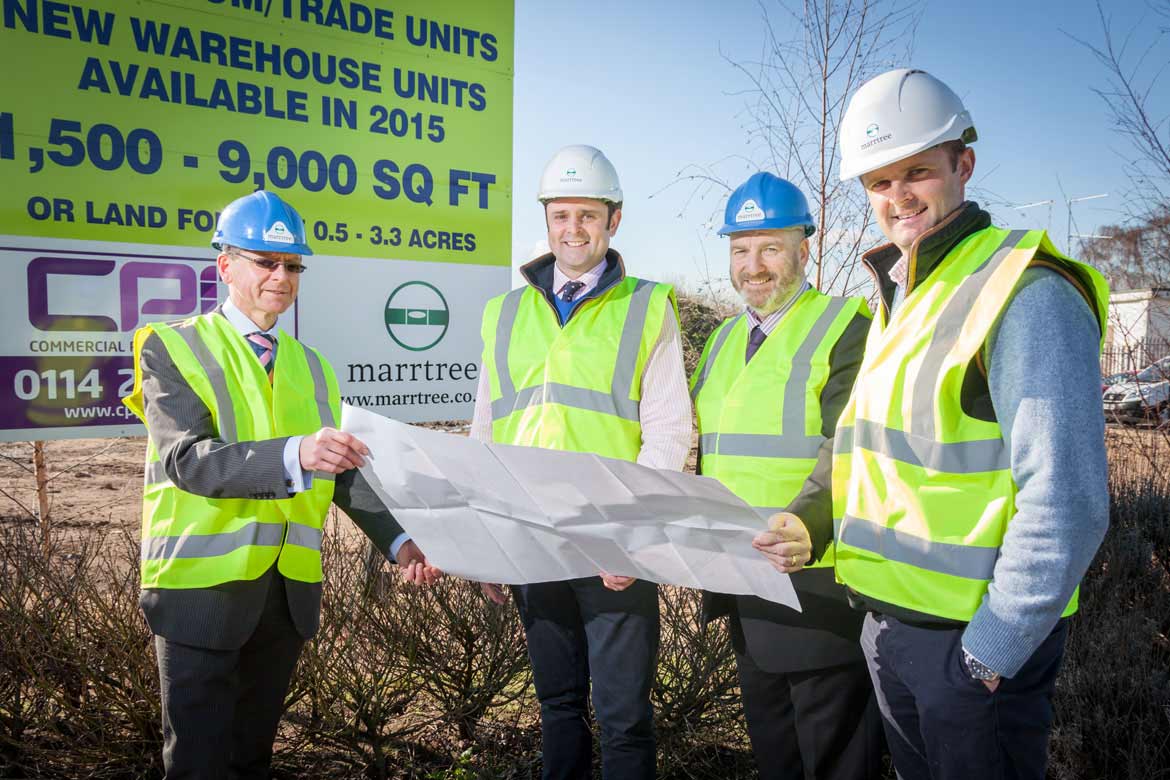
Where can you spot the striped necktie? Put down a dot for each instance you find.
(755, 339)
(265, 348)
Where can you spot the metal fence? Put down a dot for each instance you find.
(1133, 356)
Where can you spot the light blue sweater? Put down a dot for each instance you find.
(1044, 380)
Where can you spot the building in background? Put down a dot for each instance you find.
(1139, 329)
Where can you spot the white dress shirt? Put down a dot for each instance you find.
(590, 279)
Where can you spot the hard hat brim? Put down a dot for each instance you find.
(768, 224)
(256, 245)
(611, 197)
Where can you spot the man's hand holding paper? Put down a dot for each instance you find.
(786, 543)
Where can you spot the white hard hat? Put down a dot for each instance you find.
(579, 171)
(898, 114)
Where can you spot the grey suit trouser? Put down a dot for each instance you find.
(221, 708)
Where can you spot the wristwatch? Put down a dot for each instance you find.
(977, 669)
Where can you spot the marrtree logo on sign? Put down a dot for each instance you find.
(184, 291)
(417, 316)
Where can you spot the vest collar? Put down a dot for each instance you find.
(538, 273)
(926, 253)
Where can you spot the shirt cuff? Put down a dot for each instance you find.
(396, 545)
(296, 479)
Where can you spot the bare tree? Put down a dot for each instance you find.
(1137, 254)
(813, 57)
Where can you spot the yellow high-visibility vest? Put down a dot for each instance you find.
(922, 492)
(760, 424)
(574, 388)
(191, 541)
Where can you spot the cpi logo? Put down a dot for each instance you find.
(197, 292)
(417, 316)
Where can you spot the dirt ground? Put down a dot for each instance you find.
(96, 484)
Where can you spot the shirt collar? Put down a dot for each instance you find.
(768, 322)
(241, 321)
(590, 279)
(928, 251)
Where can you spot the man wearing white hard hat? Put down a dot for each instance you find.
(969, 478)
(587, 359)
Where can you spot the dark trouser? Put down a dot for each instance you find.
(577, 630)
(220, 708)
(941, 724)
(819, 723)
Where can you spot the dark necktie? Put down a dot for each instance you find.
(265, 348)
(755, 339)
(569, 290)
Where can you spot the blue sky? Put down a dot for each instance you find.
(648, 82)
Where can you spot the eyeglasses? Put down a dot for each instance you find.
(271, 265)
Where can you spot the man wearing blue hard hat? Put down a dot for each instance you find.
(767, 391)
(242, 463)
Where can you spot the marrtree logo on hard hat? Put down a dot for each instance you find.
(279, 233)
(749, 212)
(871, 131)
(417, 316)
(878, 139)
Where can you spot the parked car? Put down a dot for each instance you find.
(1144, 398)
(1116, 379)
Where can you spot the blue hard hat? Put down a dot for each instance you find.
(261, 222)
(766, 202)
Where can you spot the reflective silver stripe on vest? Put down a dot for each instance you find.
(507, 322)
(957, 560)
(946, 331)
(211, 545)
(617, 402)
(324, 476)
(960, 457)
(225, 412)
(797, 384)
(156, 474)
(627, 356)
(304, 536)
(760, 445)
(567, 395)
(320, 387)
(714, 353)
(794, 442)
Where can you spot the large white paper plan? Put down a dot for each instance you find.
(505, 514)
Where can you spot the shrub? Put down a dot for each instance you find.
(79, 696)
(1113, 695)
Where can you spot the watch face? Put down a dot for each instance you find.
(977, 670)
